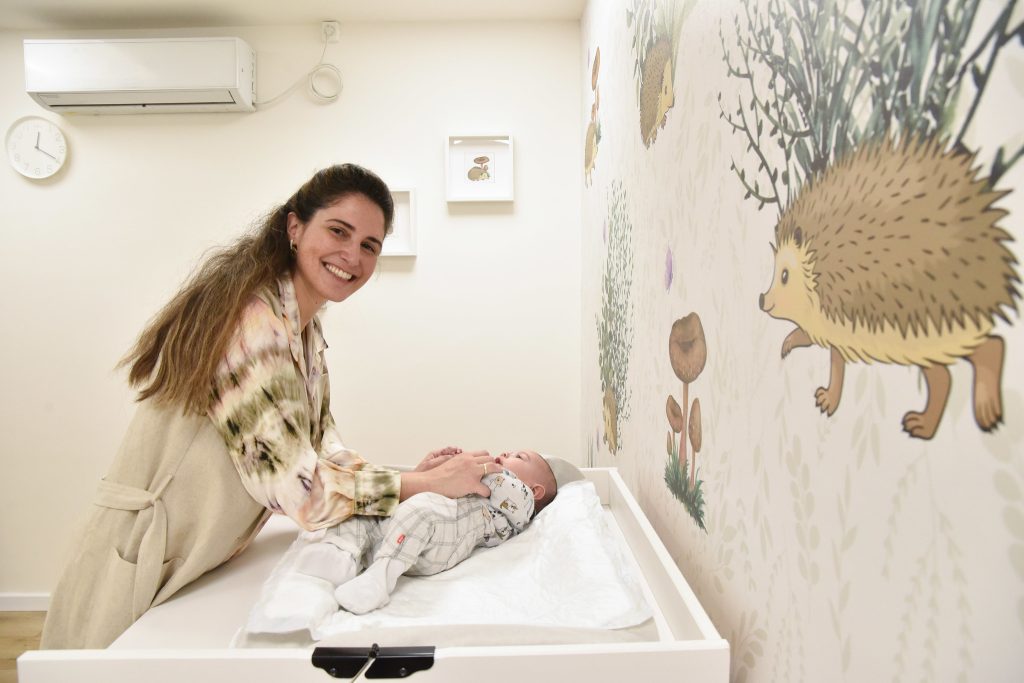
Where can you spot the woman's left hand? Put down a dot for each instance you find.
(435, 458)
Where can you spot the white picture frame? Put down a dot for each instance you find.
(479, 168)
(402, 240)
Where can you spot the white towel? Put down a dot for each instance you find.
(567, 569)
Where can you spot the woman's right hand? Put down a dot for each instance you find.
(458, 475)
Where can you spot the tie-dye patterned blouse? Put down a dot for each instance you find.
(271, 403)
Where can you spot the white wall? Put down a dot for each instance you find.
(475, 342)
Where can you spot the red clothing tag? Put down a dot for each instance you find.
(401, 539)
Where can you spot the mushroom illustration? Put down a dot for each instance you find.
(675, 414)
(479, 172)
(695, 437)
(688, 351)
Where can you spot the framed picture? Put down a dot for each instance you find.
(479, 168)
(402, 240)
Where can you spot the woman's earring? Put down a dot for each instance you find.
(294, 247)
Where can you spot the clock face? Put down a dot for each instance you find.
(36, 147)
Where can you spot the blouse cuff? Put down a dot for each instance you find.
(376, 491)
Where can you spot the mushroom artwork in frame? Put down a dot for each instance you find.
(479, 168)
(402, 240)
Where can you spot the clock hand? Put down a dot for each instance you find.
(40, 149)
(46, 153)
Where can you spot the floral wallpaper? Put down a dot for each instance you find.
(802, 238)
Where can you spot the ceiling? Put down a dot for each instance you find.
(126, 14)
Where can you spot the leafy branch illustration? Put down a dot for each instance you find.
(995, 39)
(894, 69)
(748, 645)
(926, 589)
(811, 92)
(1008, 487)
(840, 545)
(614, 323)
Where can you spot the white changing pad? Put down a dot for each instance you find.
(566, 570)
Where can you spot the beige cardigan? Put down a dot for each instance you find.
(154, 528)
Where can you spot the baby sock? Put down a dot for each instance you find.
(327, 561)
(372, 588)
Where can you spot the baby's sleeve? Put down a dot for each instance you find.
(512, 498)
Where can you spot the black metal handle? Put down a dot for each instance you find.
(384, 662)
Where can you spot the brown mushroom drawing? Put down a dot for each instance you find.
(479, 172)
(675, 414)
(688, 352)
(695, 435)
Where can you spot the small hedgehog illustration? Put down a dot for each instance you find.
(610, 410)
(656, 90)
(479, 171)
(593, 136)
(893, 255)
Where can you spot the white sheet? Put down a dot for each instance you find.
(567, 570)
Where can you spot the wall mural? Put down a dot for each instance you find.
(593, 135)
(887, 248)
(614, 323)
(688, 353)
(655, 45)
(823, 548)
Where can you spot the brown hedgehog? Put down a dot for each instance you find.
(893, 255)
(594, 128)
(656, 93)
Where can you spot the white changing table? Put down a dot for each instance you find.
(188, 637)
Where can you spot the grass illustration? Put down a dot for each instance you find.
(678, 482)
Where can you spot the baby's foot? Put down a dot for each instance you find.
(372, 588)
(364, 593)
(326, 561)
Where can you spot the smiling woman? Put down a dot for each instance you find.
(234, 418)
(336, 251)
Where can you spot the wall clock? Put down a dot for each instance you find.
(36, 147)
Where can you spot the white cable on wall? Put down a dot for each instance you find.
(323, 96)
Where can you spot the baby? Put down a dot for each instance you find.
(429, 533)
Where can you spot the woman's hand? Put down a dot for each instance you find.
(458, 475)
(435, 458)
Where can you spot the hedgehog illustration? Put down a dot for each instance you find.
(656, 90)
(610, 411)
(893, 255)
(479, 171)
(594, 128)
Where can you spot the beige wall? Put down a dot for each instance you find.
(836, 548)
(474, 342)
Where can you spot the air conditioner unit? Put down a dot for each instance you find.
(131, 76)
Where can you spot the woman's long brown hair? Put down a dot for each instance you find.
(175, 358)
